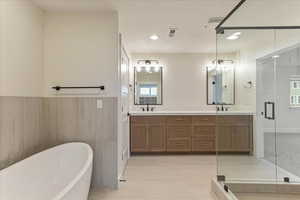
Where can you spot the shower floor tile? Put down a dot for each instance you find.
(266, 196)
(249, 168)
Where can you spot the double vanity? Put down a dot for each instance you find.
(191, 132)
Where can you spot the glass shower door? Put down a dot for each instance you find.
(288, 105)
(243, 154)
(266, 136)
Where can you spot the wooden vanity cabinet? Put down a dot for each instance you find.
(203, 137)
(148, 134)
(202, 134)
(234, 133)
(179, 132)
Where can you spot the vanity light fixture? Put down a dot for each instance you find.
(148, 69)
(156, 69)
(149, 66)
(275, 56)
(154, 37)
(234, 36)
(138, 69)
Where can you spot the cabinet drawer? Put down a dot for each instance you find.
(179, 120)
(204, 120)
(204, 132)
(179, 145)
(233, 120)
(179, 132)
(148, 120)
(204, 146)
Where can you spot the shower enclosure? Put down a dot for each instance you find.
(266, 46)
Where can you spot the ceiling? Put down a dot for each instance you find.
(139, 19)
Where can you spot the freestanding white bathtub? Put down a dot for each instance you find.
(60, 173)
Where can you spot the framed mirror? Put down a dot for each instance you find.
(148, 85)
(221, 83)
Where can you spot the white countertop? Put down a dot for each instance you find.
(150, 113)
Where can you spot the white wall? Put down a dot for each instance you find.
(21, 53)
(81, 49)
(184, 81)
(43, 49)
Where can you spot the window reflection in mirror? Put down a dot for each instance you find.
(295, 91)
(148, 85)
(220, 84)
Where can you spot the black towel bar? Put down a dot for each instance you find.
(58, 88)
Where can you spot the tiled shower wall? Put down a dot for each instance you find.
(30, 125)
(287, 151)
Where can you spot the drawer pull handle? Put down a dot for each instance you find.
(179, 119)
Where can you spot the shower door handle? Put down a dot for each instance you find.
(272, 117)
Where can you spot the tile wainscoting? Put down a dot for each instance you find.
(21, 129)
(31, 124)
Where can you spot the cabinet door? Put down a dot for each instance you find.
(224, 138)
(157, 138)
(241, 138)
(139, 138)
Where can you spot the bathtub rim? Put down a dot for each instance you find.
(76, 179)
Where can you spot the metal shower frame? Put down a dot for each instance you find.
(220, 29)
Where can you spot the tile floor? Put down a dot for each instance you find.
(163, 178)
(184, 177)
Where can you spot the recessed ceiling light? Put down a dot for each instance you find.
(234, 36)
(154, 37)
